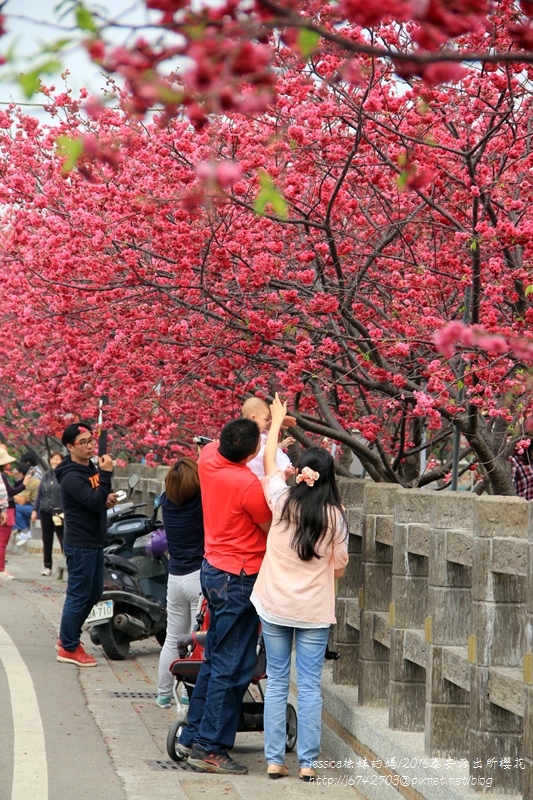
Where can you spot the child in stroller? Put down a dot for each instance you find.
(185, 671)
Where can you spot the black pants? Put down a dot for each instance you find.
(48, 528)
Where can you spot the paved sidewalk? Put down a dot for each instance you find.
(120, 697)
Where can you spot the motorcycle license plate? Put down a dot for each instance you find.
(100, 612)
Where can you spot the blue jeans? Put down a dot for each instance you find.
(230, 655)
(23, 516)
(85, 585)
(310, 649)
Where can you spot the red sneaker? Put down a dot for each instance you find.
(78, 657)
(58, 645)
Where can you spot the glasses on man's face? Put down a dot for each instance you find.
(85, 442)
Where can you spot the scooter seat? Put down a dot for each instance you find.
(122, 564)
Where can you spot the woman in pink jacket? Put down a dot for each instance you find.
(295, 594)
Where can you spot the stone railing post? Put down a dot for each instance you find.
(375, 594)
(448, 620)
(498, 637)
(527, 744)
(346, 636)
(408, 606)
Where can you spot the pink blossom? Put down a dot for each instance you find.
(437, 73)
(447, 337)
(228, 173)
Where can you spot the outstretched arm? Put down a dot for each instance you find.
(278, 411)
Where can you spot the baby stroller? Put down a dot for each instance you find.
(185, 670)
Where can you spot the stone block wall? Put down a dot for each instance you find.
(152, 482)
(435, 619)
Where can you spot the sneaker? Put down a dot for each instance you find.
(214, 762)
(24, 536)
(182, 750)
(58, 645)
(6, 576)
(78, 657)
(162, 701)
(46, 572)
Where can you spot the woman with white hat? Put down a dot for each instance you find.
(7, 519)
(3, 503)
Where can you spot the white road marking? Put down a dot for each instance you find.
(30, 770)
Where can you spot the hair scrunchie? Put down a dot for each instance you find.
(308, 476)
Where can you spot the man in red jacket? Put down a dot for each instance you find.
(236, 521)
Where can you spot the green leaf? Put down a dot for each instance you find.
(307, 42)
(31, 81)
(71, 150)
(194, 32)
(167, 95)
(84, 19)
(64, 8)
(460, 384)
(12, 51)
(529, 289)
(401, 180)
(57, 46)
(473, 245)
(268, 195)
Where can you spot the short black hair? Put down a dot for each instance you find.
(29, 458)
(22, 466)
(239, 439)
(71, 431)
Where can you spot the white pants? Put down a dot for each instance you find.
(183, 597)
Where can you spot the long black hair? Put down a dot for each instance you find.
(311, 510)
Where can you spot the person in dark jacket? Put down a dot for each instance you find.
(181, 505)
(48, 508)
(85, 495)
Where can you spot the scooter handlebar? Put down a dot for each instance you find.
(124, 508)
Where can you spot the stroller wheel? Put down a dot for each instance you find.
(172, 738)
(292, 728)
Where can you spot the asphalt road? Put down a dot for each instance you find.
(92, 733)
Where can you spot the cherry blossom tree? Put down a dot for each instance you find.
(385, 214)
(315, 245)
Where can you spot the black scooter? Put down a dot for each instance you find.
(133, 604)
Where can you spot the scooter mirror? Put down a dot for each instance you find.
(133, 480)
(157, 501)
